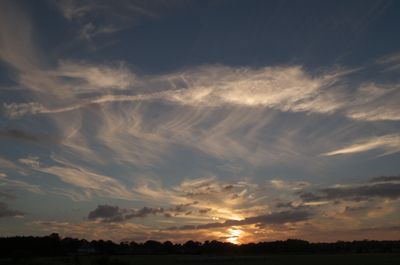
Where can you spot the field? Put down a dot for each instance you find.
(320, 259)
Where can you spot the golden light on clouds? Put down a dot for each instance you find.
(234, 234)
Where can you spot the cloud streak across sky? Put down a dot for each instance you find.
(282, 88)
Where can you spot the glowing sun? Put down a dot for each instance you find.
(234, 235)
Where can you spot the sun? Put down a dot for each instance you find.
(234, 235)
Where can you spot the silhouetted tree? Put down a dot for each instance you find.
(53, 245)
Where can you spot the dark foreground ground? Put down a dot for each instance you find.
(320, 259)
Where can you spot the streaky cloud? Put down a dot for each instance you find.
(286, 89)
(84, 178)
(272, 218)
(108, 213)
(362, 192)
(389, 144)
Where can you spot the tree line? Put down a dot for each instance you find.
(53, 245)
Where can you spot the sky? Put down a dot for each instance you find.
(237, 121)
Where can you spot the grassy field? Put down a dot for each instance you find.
(320, 259)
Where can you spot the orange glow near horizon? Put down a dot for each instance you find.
(234, 235)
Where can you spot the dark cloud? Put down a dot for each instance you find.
(5, 211)
(167, 215)
(18, 134)
(106, 212)
(268, 219)
(205, 210)
(145, 211)
(362, 192)
(181, 209)
(385, 179)
(26, 136)
(109, 213)
(228, 187)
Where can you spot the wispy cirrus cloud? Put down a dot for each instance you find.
(96, 77)
(240, 98)
(13, 183)
(389, 144)
(390, 62)
(82, 178)
(102, 17)
(288, 89)
(219, 100)
(16, 47)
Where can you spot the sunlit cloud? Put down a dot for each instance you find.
(298, 219)
(234, 235)
(389, 144)
(287, 89)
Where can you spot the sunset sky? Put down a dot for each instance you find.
(238, 121)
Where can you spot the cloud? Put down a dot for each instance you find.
(267, 219)
(5, 211)
(375, 102)
(96, 77)
(102, 17)
(16, 47)
(21, 185)
(352, 204)
(390, 62)
(386, 179)
(73, 9)
(27, 136)
(13, 183)
(109, 213)
(84, 178)
(106, 211)
(17, 110)
(388, 143)
(5, 163)
(289, 185)
(18, 134)
(89, 30)
(69, 80)
(196, 199)
(286, 89)
(366, 191)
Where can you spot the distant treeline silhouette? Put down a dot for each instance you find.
(53, 245)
